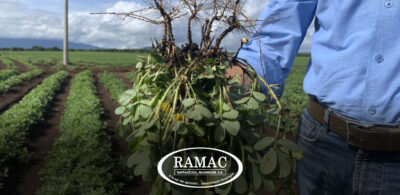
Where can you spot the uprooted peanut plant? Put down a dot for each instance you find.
(180, 99)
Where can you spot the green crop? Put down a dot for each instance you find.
(10, 64)
(18, 79)
(80, 162)
(87, 59)
(131, 76)
(113, 84)
(4, 74)
(16, 122)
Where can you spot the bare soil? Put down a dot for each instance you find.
(121, 75)
(21, 67)
(2, 65)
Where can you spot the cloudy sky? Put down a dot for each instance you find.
(44, 19)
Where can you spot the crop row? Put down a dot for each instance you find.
(80, 162)
(18, 79)
(131, 76)
(5, 74)
(10, 64)
(113, 84)
(16, 122)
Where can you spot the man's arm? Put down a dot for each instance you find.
(277, 38)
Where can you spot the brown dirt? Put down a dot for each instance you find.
(120, 146)
(2, 65)
(40, 142)
(16, 93)
(111, 118)
(21, 67)
(121, 75)
(45, 68)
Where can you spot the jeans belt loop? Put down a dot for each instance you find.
(326, 118)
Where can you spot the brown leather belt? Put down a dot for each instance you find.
(368, 137)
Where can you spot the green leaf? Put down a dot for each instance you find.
(242, 101)
(255, 120)
(198, 130)
(120, 110)
(188, 102)
(248, 148)
(127, 120)
(232, 114)
(263, 143)
(259, 96)
(137, 157)
(232, 127)
(210, 61)
(240, 185)
(297, 152)
(124, 99)
(203, 111)
(284, 165)
(193, 114)
(268, 184)
(145, 111)
(176, 126)
(254, 158)
(131, 160)
(142, 167)
(134, 143)
(137, 115)
(143, 128)
(252, 104)
(152, 137)
(226, 107)
(121, 129)
(209, 70)
(255, 173)
(224, 189)
(219, 134)
(268, 162)
(131, 92)
(139, 65)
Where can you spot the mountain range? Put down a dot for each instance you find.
(46, 43)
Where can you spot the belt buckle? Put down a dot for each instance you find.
(348, 133)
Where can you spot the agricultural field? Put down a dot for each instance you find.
(58, 128)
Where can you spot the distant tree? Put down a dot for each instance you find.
(54, 49)
(17, 49)
(38, 48)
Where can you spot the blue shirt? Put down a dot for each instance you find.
(355, 53)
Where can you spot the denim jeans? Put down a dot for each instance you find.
(330, 166)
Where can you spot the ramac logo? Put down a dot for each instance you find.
(200, 167)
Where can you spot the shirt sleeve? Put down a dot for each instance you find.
(276, 40)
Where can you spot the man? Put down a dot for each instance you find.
(347, 131)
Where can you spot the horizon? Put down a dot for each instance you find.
(34, 19)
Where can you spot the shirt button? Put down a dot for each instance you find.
(372, 111)
(379, 58)
(388, 4)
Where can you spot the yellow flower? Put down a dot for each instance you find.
(179, 117)
(214, 68)
(165, 107)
